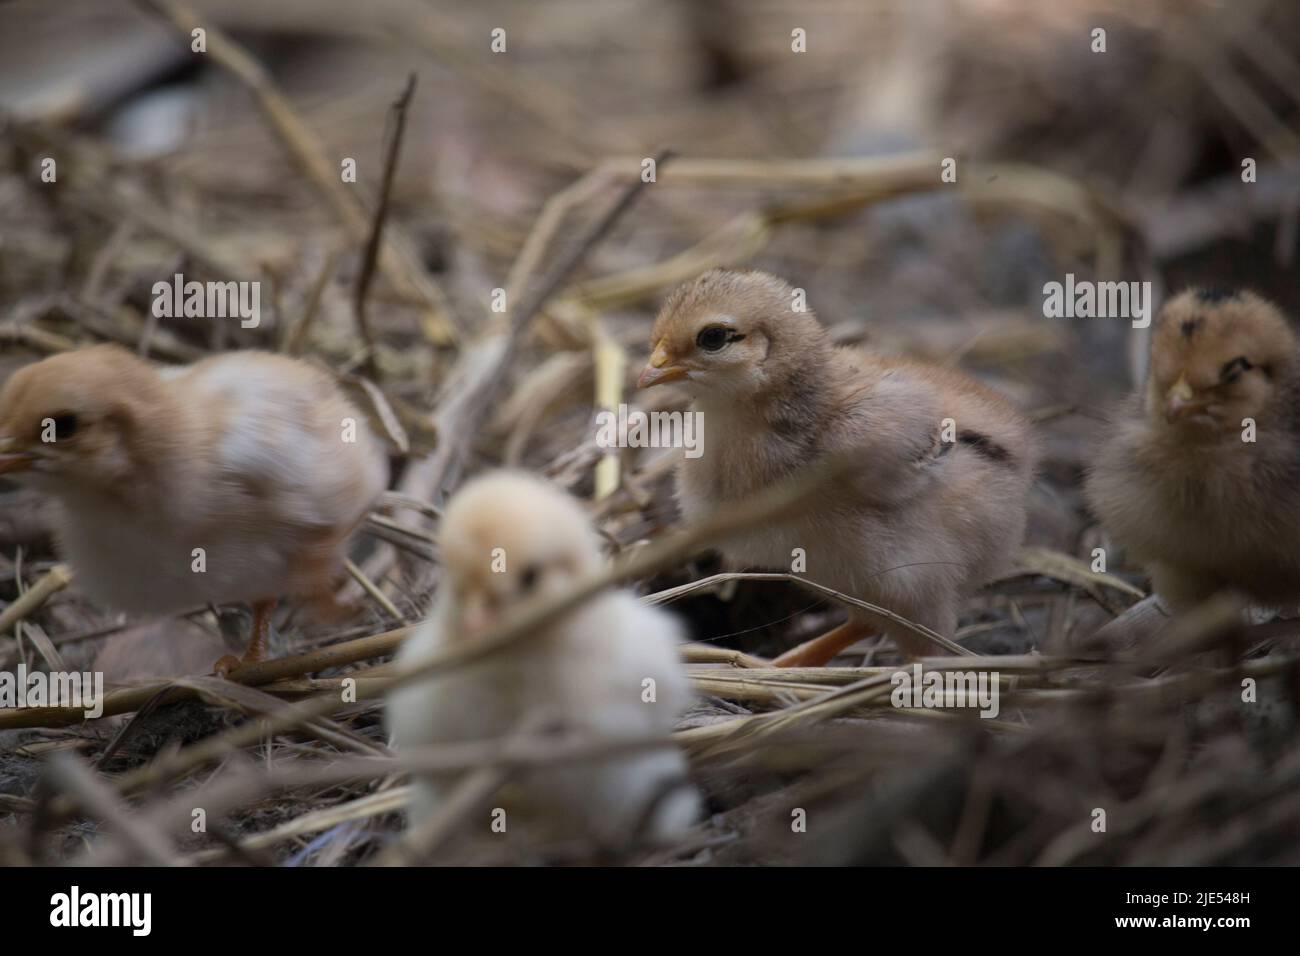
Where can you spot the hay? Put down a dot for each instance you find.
(518, 173)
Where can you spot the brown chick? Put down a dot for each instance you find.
(1180, 483)
(938, 506)
(238, 478)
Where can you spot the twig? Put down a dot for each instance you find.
(70, 775)
(55, 580)
(296, 335)
(392, 149)
(398, 263)
(372, 589)
(481, 375)
(611, 368)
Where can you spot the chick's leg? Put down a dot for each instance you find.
(256, 650)
(819, 651)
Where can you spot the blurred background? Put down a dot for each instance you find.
(1117, 164)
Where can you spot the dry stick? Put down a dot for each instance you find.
(707, 654)
(554, 211)
(55, 580)
(416, 542)
(855, 183)
(372, 589)
(129, 699)
(297, 334)
(73, 777)
(254, 701)
(111, 203)
(397, 124)
(384, 413)
(1238, 97)
(108, 326)
(484, 384)
(104, 259)
(34, 338)
(611, 367)
(371, 805)
(899, 170)
(398, 263)
(770, 504)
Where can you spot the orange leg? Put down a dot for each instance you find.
(256, 650)
(819, 651)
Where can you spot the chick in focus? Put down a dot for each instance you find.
(1198, 477)
(938, 505)
(508, 538)
(237, 478)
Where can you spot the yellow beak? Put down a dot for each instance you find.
(1180, 399)
(476, 616)
(13, 459)
(658, 371)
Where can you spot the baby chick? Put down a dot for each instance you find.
(1198, 476)
(938, 506)
(509, 538)
(238, 478)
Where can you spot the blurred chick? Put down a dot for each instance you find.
(933, 513)
(584, 673)
(1177, 483)
(244, 455)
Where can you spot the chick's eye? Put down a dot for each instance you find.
(65, 425)
(713, 337)
(528, 579)
(1231, 371)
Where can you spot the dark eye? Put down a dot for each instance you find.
(713, 337)
(65, 425)
(528, 579)
(1231, 371)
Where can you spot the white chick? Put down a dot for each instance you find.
(587, 673)
(238, 478)
(938, 506)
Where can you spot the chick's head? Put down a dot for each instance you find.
(1217, 358)
(733, 333)
(79, 419)
(508, 538)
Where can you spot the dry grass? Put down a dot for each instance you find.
(520, 173)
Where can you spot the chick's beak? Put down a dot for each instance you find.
(477, 616)
(13, 458)
(1180, 400)
(659, 370)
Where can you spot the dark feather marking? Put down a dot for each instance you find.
(985, 445)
